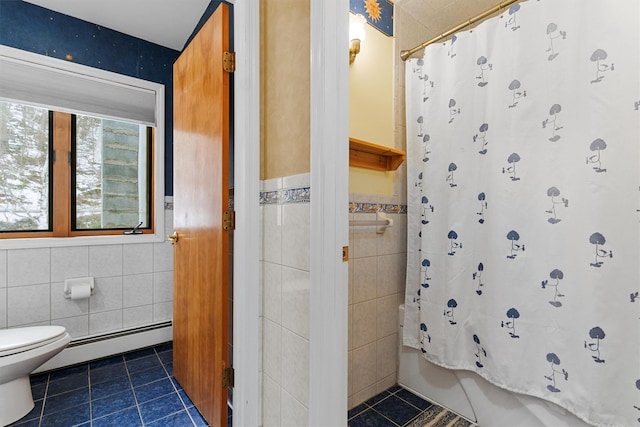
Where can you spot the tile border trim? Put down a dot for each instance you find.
(303, 195)
(365, 207)
(286, 196)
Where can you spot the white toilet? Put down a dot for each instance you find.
(22, 350)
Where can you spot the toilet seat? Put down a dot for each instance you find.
(17, 340)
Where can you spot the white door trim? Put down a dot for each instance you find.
(329, 212)
(246, 239)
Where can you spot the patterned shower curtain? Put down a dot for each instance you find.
(523, 140)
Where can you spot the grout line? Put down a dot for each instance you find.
(135, 398)
(90, 400)
(368, 407)
(165, 417)
(411, 404)
(175, 389)
(44, 400)
(163, 364)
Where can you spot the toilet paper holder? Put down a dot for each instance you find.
(78, 281)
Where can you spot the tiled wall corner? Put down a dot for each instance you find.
(284, 289)
(376, 286)
(133, 286)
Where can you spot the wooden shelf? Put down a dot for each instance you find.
(367, 155)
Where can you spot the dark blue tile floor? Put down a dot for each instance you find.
(128, 390)
(391, 408)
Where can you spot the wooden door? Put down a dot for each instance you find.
(201, 188)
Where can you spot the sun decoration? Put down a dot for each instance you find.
(373, 9)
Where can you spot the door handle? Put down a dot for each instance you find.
(173, 237)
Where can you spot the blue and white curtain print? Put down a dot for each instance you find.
(523, 140)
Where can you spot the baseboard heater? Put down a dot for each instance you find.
(83, 350)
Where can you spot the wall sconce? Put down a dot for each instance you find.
(356, 35)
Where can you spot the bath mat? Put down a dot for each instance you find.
(437, 416)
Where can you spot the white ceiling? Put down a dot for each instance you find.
(439, 16)
(165, 22)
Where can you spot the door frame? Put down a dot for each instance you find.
(246, 236)
(328, 319)
(329, 106)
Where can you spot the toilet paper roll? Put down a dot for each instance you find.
(78, 288)
(81, 291)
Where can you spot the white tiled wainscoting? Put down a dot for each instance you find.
(376, 286)
(133, 286)
(285, 300)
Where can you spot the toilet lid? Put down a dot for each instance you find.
(13, 339)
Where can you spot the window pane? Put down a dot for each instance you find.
(24, 168)
(111, 174)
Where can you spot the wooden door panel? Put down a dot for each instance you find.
(201, 185)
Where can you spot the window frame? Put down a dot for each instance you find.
(56, 237)
(72, 196)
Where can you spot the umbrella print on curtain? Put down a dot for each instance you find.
(523, 148)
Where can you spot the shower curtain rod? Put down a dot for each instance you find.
(405, 54)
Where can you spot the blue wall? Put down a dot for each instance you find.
(35, 29)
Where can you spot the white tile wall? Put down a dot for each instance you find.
(363, 240)
(295, 301)
(107, 295)
(386, 316)
(3, 269)
(271, 402)
(376, 284)
(3, 289)
(137, 259)
(391, 273)
(3, 307)
(272, 291)
(295, 360)
(364, 323)
(273, 184)
(162, 311)
(294, 413)
(377, 279)
(364, 366)
(295, 181)
(272, 349)
(163, 286)
(295, 235)
(137, 290)
(137, 316)
(272, 233)
(133, 286)
(395, 242)
(28, 266)
(28, 304)
(62, 307)
(365, 278)
(285, 307)
(69, 262)
(105, 261)
(77, 326)
(350, 379)
(386, 351)
(107, 321)
(163, 256)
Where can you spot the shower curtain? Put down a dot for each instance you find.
(523, 140)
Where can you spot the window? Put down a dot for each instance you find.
(111, 174)
(66, 175)
(25, 169)
(81, 154)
